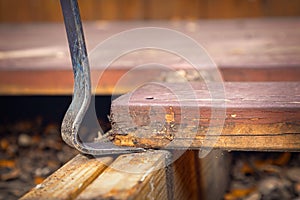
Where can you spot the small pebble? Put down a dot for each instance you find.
(268, 185)
(274, 188)
(237, 172)
(286, 183)
(24, 140)
(42, 171)
(52, 129)
(253, 196)
(294, 174)
(297, 188)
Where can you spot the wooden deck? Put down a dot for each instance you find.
(267, 120)
(261, 115)
(34, 58)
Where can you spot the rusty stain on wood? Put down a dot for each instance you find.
(169, 116)
(254, 111)
(71, 179)
(272, 142)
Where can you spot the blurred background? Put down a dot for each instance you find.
(49, 10)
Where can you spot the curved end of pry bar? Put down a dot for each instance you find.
(82, 89)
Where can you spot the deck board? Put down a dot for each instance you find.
(34, 58)
(258, 116)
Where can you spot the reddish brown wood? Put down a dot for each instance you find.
(152, 116)
(244, 50)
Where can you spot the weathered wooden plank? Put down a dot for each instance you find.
(243, 43)
(244, 50)
(132, 176)
(259, 116)
(71, 179)
(144, 176)
(149, 175)
(60, 82)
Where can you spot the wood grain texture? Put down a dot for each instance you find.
(214, 172)
(132, 176)
(187, 180)
(149, 175)
(34, 58)
(71, 179)
(259, 116)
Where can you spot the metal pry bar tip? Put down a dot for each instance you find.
(82, 88)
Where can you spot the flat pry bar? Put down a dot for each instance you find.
(82, 88)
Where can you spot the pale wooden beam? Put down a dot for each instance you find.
(214, 172)
(132, 176)
(70, 180)
(156, 174)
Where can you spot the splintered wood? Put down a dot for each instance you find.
(259, 116)
(155, 174)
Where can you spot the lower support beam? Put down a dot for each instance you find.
(149, 175)
(132, 176)
(70, 180)
(214, 172)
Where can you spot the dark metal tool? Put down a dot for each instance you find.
(82, 89)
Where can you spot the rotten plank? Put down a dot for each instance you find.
(71, 179)
(244, 50)
(259, 116)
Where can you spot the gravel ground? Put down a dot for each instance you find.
(264, 176)
(32, 150)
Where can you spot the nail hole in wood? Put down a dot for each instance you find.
(149, 98)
